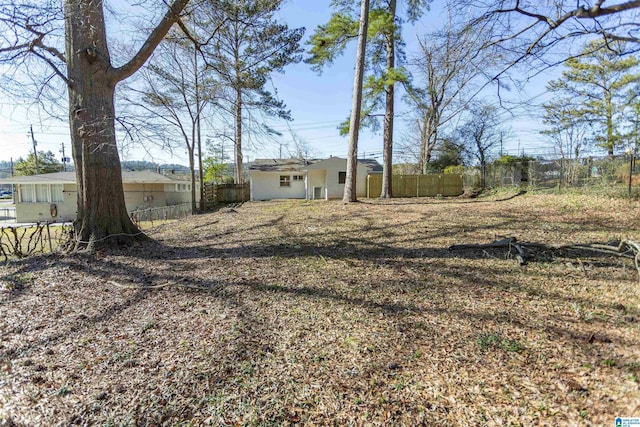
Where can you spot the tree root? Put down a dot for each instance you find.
(521, 250)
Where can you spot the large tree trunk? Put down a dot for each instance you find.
(102, 216)
(387, 149)
(350, 189)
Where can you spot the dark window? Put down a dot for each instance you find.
(342, 177)
(285, 181)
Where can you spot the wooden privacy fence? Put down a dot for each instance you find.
(429, 185)
(225, 193)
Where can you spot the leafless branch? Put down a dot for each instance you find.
(171, 16)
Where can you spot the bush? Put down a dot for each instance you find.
(454, 170)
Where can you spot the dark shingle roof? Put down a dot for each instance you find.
(280, 165)
(372, 164)
(292, 165)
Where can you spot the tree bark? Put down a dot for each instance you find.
(199, 128)
(350, 189)
(387, 149)
(238, 137)
(102, 218)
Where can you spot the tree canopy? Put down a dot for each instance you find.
(47, 163)
(527, 29)
(596, 85)
(247, 45)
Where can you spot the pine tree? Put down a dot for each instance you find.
(248, 44)
(385, 46)
(597, 81)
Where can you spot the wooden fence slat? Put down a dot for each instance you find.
(429, 185)
(225, 193)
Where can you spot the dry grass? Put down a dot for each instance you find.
(319, 313)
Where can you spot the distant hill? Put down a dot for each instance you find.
(140, 165)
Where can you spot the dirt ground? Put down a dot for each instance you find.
(320, 313)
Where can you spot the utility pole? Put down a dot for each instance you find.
(35, 152)
(64, 158)
(11, 172)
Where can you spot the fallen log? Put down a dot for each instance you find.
(625, 248)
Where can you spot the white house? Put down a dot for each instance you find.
(53, 196)
(306, 179)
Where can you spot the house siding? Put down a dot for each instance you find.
(332, 167)
(266, 186)
(137, 196)
(143, 196)
(41, 211)
(316, 178)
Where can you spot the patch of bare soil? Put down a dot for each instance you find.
(319, 313)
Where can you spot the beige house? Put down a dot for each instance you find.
(53, 197)
(306, 179)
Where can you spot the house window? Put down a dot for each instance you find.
(56, 193)
(26, 193)
(342, 177)
(285, 181)
(42, 193)
(298, 178)
(183, 187)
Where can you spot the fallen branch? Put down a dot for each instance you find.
(626, 248)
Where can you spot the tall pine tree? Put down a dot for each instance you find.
(384, 48)
(598, 81)
(247, 45)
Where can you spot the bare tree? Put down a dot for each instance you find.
(174, 89)
(569, 133)
(529, 29)
(31, 29)
(448, 64)
(481, 133)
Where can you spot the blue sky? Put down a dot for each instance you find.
(318, 102)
